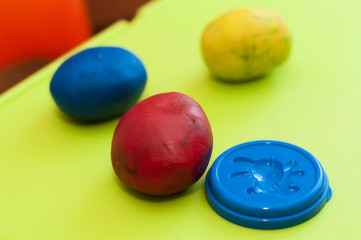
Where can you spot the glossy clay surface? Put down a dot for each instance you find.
(98, 83)
(162, 145)
(242, 44)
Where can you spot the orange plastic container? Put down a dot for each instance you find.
(41, 28)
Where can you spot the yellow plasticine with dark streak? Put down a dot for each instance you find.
(245, 43)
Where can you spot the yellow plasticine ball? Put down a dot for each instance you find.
(243, 44)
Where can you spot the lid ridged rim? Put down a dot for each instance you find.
(273, 220)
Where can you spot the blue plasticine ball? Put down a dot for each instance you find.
(98, 83)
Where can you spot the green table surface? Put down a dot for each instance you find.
(56, 179)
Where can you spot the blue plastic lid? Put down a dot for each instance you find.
(267, 185)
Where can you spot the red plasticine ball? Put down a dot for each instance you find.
(162, 145)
